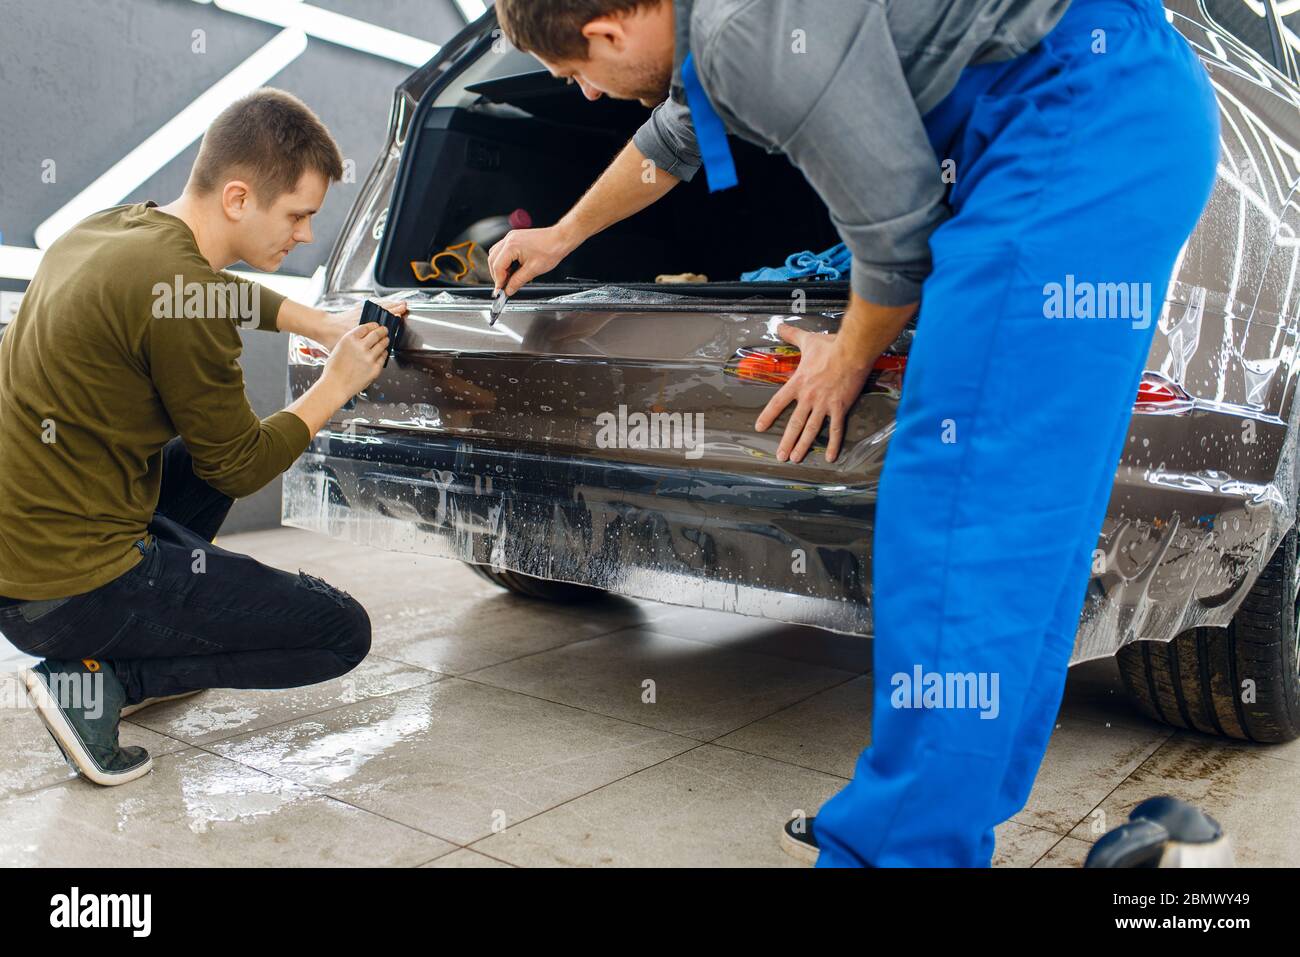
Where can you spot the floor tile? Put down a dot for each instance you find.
(465, 858)
(219, 713)
(1085, 761)
(709, 807)
(1068, 852)
(826, 732)
(1020, 846)
(196, 808)
(458, 638)
(456, 759)
(698, 690)
(1255, 797)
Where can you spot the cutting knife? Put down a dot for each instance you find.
(500, 299)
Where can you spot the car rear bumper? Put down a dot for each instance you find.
(760, 547)
(703, 540)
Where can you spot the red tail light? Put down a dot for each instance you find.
(775, 365)
(771, 364)
(1161, 395)
(304, 352)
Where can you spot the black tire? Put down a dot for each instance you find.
(1197, 680)
(565, 593)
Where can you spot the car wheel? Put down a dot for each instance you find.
(562, 592)
(1239, 682)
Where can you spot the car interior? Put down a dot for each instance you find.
(531, 141)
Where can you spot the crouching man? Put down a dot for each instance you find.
(126, 436)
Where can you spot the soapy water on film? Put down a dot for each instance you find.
(530, 547)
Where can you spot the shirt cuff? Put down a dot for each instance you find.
(653, 148)
(883, 287)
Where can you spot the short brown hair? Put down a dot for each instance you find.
(270, 138)
(553, 28)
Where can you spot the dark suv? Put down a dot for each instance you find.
(599, 438)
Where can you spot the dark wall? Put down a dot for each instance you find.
(83, 82)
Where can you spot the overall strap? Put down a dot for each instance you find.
(710, 133)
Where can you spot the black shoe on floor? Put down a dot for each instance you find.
(797, 837)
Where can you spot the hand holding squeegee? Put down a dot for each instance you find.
(372, 311)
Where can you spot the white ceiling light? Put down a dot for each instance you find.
(471, 10)
(174, 135)
(297, 288)
(335, 28)
(18, 262)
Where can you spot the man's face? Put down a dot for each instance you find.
(629, 57)
(265, 235)
(646, 83)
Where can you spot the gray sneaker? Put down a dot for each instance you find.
(80, 702)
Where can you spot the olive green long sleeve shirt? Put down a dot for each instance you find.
(126, 337)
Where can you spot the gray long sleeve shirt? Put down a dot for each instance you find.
(840, 86)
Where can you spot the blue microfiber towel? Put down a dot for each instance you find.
(833, 264)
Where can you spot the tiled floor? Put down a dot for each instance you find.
(487, 730)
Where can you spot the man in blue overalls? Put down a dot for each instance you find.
(973, 154)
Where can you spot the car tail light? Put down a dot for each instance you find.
(305, 352)
(1160, 395)
(774, 365)
(771, 364)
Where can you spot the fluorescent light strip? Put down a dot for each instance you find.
(20, 262)
(335, 28)
(471, 10)
(174, 135)
(297, 288)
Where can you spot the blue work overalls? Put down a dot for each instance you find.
(1085, 161)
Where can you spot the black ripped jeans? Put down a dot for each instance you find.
(192, 615)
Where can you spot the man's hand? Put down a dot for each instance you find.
(357, 360)
(354, 363)
(537, 251)
(826, 384)
(333, 326)
(833, 368)
(621, 190)
(327, 328)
